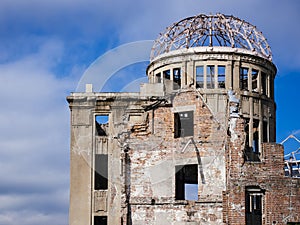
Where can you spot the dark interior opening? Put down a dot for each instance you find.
(253, 206)
(186, 182)
(183, 124)
(101, 172)
(244, 78)
(176, 78)
(100, 220)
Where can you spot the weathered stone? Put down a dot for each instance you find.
(213, 138)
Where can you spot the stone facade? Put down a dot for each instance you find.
(143, 154)
(194, 146)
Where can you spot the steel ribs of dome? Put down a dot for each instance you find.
(217, 30)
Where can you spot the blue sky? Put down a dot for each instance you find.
(45, 47)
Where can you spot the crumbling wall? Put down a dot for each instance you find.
(154, 153)
(144, 153)
(178, 214)
(281, 199)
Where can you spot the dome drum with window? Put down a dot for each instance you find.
(215, 54)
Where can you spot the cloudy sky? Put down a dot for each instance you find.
(45, 47)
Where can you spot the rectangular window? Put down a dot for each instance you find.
(221, 76)
(199, 77)
(176, 78)
(244, 78)
(158, 78)
(251, 145)
(183, 124)
(100, 220)
(101, 172)
(254, 206)
(210, 77)
(101, 125)
(271, 90)
(255, 141)
(186, 182)
(265, 132)
(254, 80)
(166, 74)
(264, 83)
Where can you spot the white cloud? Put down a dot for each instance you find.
(85, 22)
(36, 218)
(34, 139)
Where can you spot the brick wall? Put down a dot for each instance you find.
(154, 155)
(281, 199)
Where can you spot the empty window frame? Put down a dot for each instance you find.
(271, 89)
(251, 141)
(221, 76)
(199, 77)
(265, 131)
(255, 141)
(186, 182)
(101, 125)
(183, 124)
(254, 80)
(244, 78)
(247, 137)
(167, 74)
(100, 220)
(177, 78)
(158, 78)
(101, 172)
(253, 206)
(210, 77)
(264, 83)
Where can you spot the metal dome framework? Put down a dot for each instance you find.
(211, 30)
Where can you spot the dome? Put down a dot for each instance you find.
(210, 31)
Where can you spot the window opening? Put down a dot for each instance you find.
(254, 80)
(264, 83)
(158, 78)
(255, 141)
(210, 77)
(177, 78)
(251, 151)
(244, 78)
(271, 90)
(254, 206)
(265, 132)
(186, 182)
(183, 124)
(199, 77)
(247, 130)
(100, 220)
(166, 74)
(101, 125)
(101, 172)
(221, 76)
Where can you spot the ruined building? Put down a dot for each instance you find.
(195, 146)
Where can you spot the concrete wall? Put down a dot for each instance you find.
(80, 167)
(143, 154)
